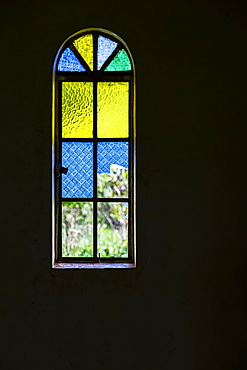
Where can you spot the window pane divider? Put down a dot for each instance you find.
(95, 76)
(88, 140)
(95, 208)
(125, 200)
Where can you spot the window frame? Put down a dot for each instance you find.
(95, 76)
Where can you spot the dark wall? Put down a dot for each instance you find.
(184, 307)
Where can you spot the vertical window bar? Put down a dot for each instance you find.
(95, 208)
(131, 174)
(59, 162)
(130, 145)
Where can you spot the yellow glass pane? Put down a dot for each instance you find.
(113, 109)
(77, 110)
(85, 47)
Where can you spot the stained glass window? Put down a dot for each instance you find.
(94, 152)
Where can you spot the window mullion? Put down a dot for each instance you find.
(95, 207)
(95, 221)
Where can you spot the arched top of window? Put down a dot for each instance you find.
(94, 50)
(93, 152)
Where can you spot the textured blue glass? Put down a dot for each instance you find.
(69, 63)
(78, 182)
(105, 48)
(112, 153)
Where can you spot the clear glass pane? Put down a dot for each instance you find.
(77, 229)
(78, 182)
(113, 164)
(69, 63)
(113, 109)
(77, 110)
(105, 49)
(84, 45)
(112, 229)
(121, 62)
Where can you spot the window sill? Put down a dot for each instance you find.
(77, 266)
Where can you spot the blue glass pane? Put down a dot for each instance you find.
(110, 153)
(105, 48)
(78, 157)
(69, 63)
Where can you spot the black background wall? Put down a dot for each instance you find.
(184, 307)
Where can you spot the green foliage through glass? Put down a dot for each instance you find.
(77, 229)
(113, 184)
(113, 229)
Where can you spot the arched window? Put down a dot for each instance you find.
(93, 152)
